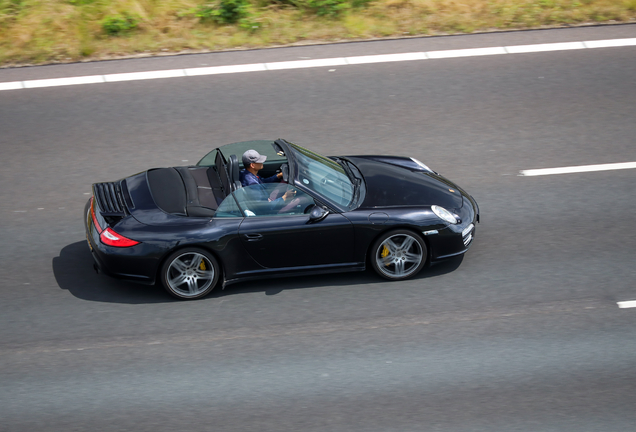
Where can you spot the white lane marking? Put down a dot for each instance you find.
(386, 58)
(298, 64)
(14, 85)
(135, 76)
(607, 43)
(517, 49)
(578, 169)
(214, 70)
(466, 52)
(56, 82)
(627, 304)
(301, 64)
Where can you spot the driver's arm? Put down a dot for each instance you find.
(274, 178)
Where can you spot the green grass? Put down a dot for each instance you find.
(45, 31)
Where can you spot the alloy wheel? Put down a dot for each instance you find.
(399, 256)
(190, 274)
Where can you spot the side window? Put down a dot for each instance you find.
(208, 159)
(267, 200)
(228, 208)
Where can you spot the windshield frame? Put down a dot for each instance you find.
(264, 147)
(295, 154)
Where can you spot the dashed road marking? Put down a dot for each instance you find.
(312, 63)
(578, 169)
(627, 304)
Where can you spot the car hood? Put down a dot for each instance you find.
(394, 185)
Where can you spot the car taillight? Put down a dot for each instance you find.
(111, 238)
(99, 228)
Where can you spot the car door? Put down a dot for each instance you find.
(279, 234)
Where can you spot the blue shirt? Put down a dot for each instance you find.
(247, 178)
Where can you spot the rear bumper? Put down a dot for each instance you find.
(136, 263)
(105, 266)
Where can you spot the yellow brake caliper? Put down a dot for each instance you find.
(385, 253)
(202, 265)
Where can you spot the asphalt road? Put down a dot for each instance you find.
(521, 334)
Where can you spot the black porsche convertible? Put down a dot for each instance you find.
(193, 228)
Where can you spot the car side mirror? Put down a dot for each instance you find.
(317, 213)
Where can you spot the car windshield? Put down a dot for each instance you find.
(323, 176)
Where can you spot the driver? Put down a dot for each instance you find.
(253, 163)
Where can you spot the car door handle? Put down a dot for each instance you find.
(253, 237)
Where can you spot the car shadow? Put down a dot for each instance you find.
(74, 272)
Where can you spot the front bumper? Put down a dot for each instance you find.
(456, 239)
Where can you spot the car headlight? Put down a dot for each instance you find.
(444, 214)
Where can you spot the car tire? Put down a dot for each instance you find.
(398, 254)
(190, 273)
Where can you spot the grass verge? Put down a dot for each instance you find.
(37, 32)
